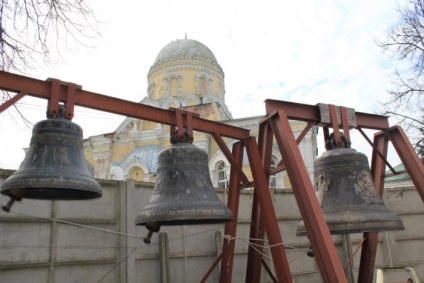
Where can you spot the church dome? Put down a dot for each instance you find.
(186, 49)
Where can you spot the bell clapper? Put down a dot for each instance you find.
(8, 205)
(310, 252)
(152, 227)
(15, 195)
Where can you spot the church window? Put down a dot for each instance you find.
(136, 174)
(173, 87)
(222, 176)
(202, 87)
(173, 84)
(203, 84)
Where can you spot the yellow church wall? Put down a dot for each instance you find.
(120, 151)
(89, 157)
(149, 125)
(159, 85)
(209, 111)
(188, 83)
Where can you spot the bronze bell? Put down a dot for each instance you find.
(183, 193)
(347, 194)
(54, 168)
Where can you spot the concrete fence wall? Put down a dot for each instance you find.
(97, 240)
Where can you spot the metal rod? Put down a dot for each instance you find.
(381, 155)
(268, 270)
(354, 253)
(209, 272)
(12, 101)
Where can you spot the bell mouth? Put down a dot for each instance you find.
(377, 218)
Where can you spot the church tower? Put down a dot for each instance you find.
(186, 73)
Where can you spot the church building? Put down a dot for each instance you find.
(186, 75)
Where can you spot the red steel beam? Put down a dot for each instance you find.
(43, 89)
(231, 227)
(369, 247)
(304, 112)
(281, 264)
(316, 227)
(410, 160)
(257, 229)
(12, 101)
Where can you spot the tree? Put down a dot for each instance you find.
(406, 42)
(30, 30)
(420, 144)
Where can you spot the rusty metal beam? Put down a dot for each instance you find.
(317, 230)
(234, 164)
(281, 264)
(12, 101)
(409, 157)
(369, 247)
(43, 89)
(257, 229)
(231, 227)
(304, 112)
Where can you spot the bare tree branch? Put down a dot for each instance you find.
(406, 42)
(32, 29)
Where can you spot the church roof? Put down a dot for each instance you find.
(147, 154)
(186, 49)
(399, 177)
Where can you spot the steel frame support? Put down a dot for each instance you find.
(316, 227)
(306, 113)
(231, 227)
(414, 167)
(257, 229)
(369, 247)
(263, 214)
(267, 208)
(43, 89)
(410, 160)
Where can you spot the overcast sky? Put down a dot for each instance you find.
(298, 51)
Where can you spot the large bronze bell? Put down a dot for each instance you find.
(54, 168)
(347, 194)
(183, 193)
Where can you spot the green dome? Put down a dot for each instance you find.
(186, 49)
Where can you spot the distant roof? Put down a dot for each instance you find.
(399, 177)
(147, 154)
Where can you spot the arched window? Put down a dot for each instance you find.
(136, 174)
(203, 84)
(222, 176)
(202, 87)
(272, 178)
(173, 86)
